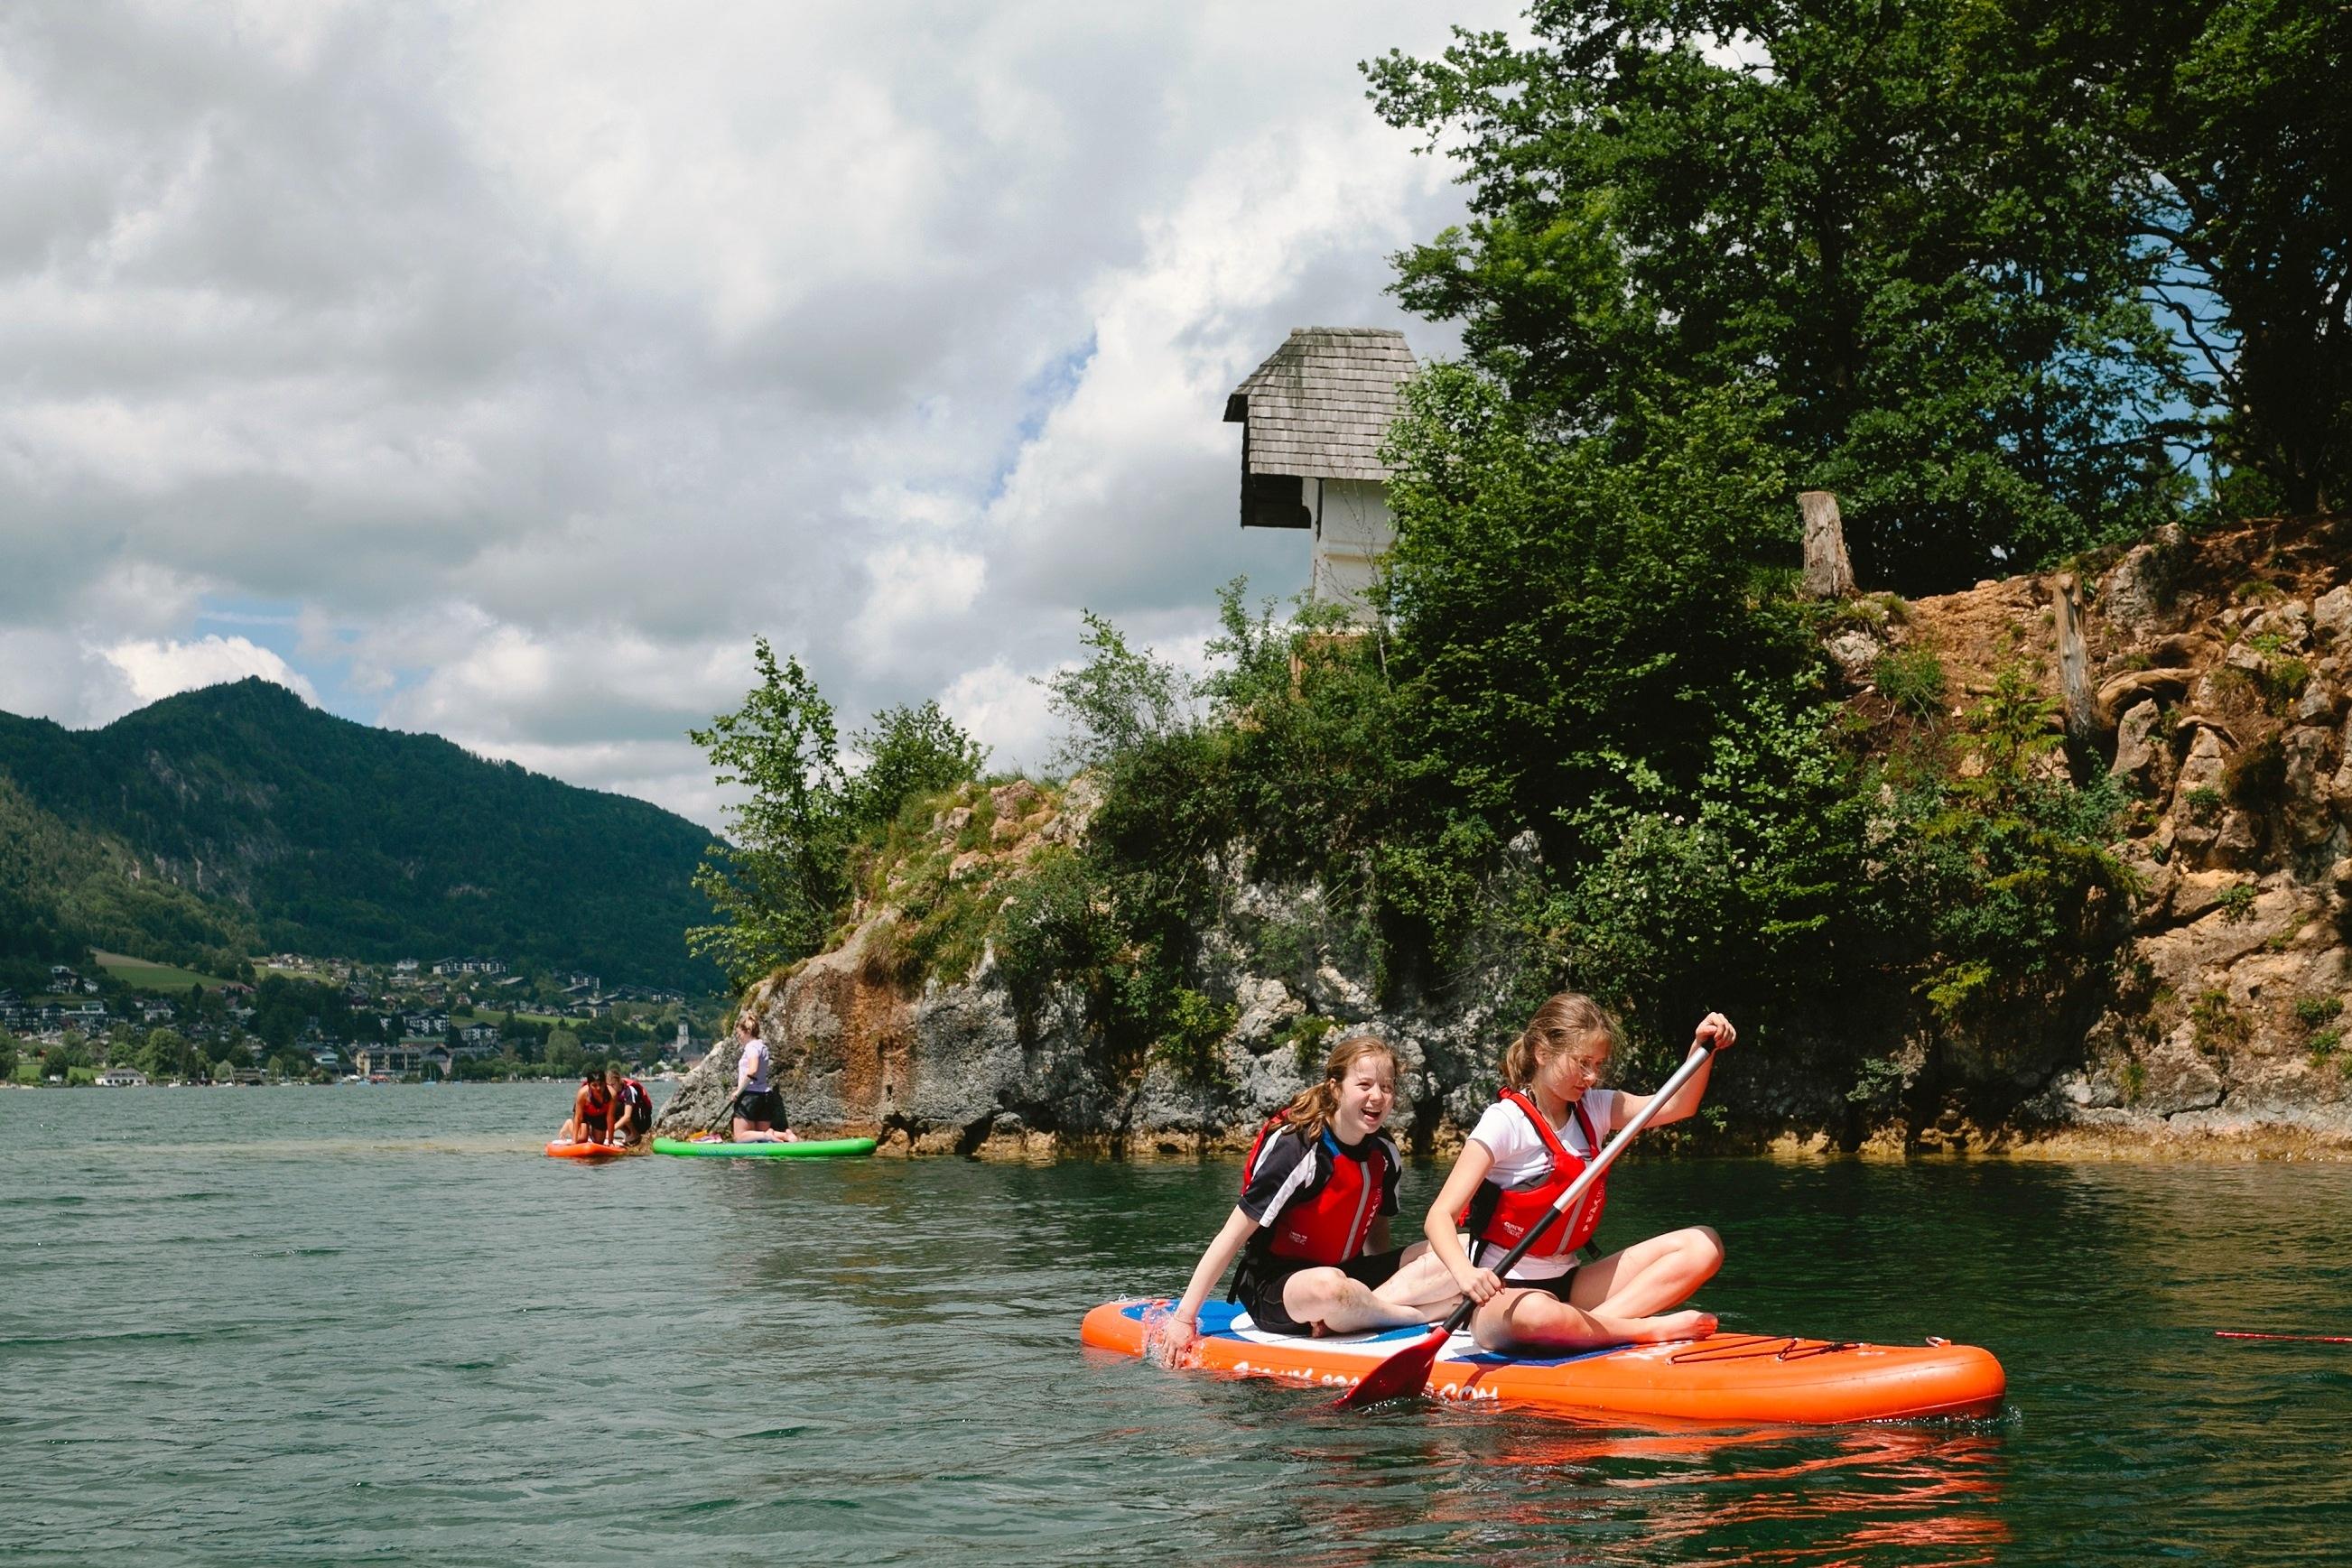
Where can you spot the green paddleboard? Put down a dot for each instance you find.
(807, 1149)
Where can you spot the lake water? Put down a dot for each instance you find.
(375, 1326)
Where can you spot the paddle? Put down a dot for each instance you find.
(2289, 1338)
(1407, 1371)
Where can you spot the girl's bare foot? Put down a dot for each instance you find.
(1675, 1326)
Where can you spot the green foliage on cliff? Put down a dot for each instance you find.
(237, 820)
(779, 885)
(1590, 744)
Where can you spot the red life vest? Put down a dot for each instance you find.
(1331, 1221)
(1500, 1216)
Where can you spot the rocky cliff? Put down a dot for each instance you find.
(2213, 684)
(2211, 675)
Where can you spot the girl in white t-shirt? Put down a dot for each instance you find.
(1512, 1168)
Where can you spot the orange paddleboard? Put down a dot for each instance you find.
(584, 1151)
(1742, 1378)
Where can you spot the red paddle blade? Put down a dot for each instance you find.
(1406, 1372)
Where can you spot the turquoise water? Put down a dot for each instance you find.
(375, 1326)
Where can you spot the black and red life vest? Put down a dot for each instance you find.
(1331, 1219)
(1501, 1216)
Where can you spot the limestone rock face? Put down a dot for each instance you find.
(2220, 663)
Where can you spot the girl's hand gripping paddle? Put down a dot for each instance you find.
(1407, 1371)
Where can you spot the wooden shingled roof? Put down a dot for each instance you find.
(1321, 405)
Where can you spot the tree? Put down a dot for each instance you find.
(777, 883)
(1925, 270)
(7, 1056)
(165, 1054)
(1572, 617)
(909, 752)
(2232, 130)
(1119, 701)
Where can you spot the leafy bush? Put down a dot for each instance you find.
(1190, 1038)
(910, 753)
(2280, 681)
(2238, 903)
(781, 885)
(1305, 1035)
(2216, 1026)
(2313, 1011)
(1912, 679)
(2255, 778)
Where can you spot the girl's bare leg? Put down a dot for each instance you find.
(1420, 1290)
(1518, 1323)
(1649, 1276)
(1620, 1300)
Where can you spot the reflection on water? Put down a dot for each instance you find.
(337, 1326)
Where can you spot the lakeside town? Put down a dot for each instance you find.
(119, 1022)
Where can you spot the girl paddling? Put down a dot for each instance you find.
(1526, 1149)
(1312, 1226)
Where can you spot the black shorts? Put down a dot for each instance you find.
(761, 1105)
(1557, 1287)
(1259, 1287)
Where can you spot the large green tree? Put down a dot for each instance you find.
(1862, 204)
(2228, 129)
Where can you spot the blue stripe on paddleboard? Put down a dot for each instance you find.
(1217, 1321)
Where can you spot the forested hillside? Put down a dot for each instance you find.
(236, 818)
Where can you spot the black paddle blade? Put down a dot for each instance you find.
(1406, 1372)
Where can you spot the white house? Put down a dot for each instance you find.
(1313, 418)
(122, 1078)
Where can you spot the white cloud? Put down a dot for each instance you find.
(153, 669)
(534, 359)
(1006, 710)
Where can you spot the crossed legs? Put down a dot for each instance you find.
(1420, 1291)
(1622, 1299)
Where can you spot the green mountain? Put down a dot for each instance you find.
(237, 820)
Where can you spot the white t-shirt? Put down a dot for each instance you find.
(1522, 1161)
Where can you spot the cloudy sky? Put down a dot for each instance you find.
(501, 371)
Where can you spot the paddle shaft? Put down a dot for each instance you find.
(1591, 1172)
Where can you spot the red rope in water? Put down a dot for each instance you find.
(2295, 1338)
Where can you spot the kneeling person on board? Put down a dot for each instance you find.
(758, 1107)
(1312, 1226)
(1527, 1149)
(632, 1108)
(592, 1111)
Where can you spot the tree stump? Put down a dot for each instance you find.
(2083, 728)
(1829, 574)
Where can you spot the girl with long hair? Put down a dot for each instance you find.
(1529, 1145)
(1312, 1226)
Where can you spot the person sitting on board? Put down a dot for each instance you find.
(632, 1108)
(1312, 1226)
(757, 1107)
(592, 1111)
(1524, 1151)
